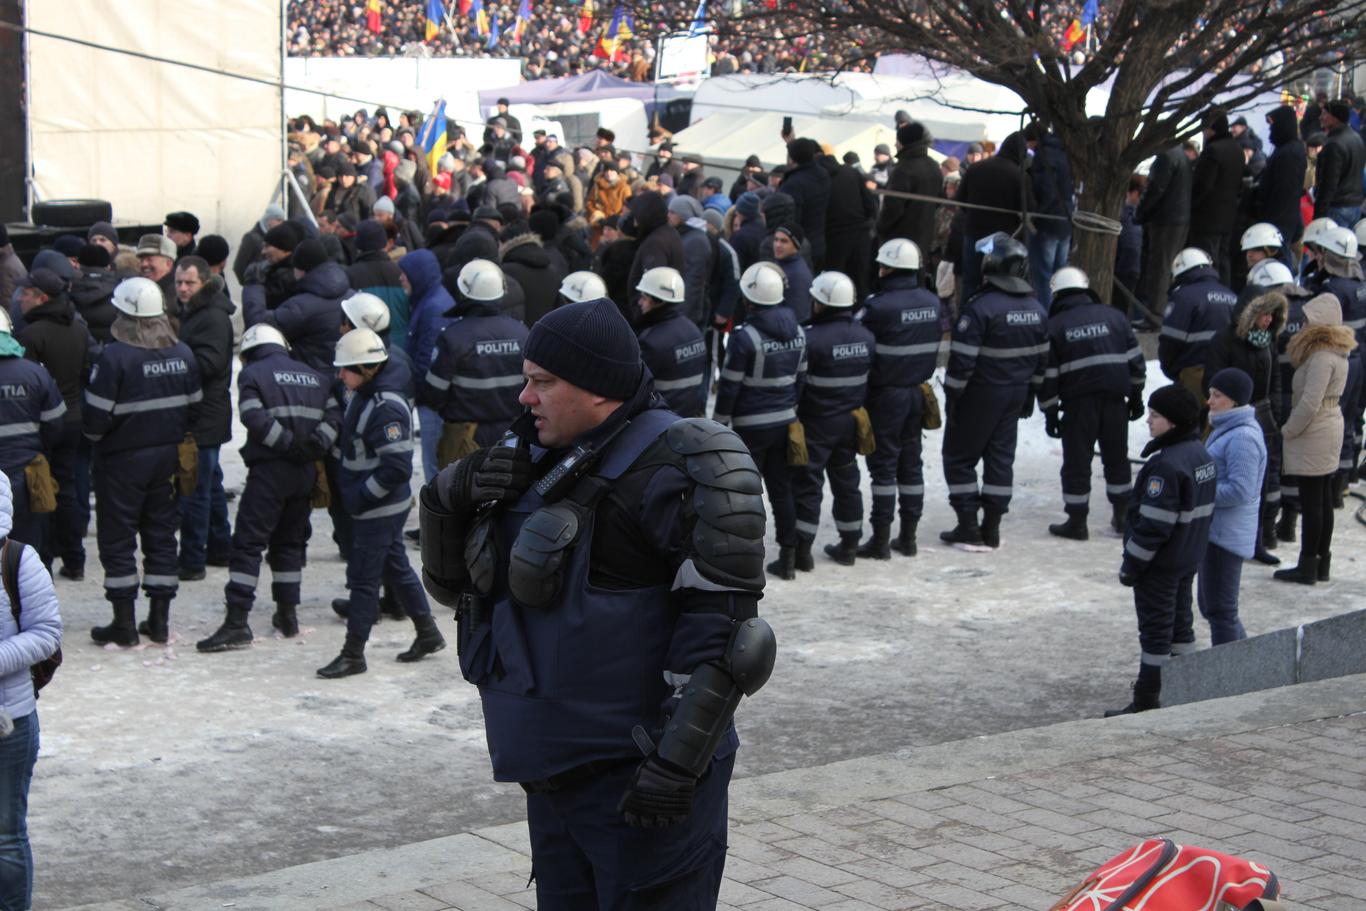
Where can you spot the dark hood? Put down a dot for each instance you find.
(423, 271)
(650, 211)
(1013, 149)
(918, 149)
(57, 309)
(1070, 300)
(527, 250)
(778, 209)
(93, 285)
(1284, 127)
(328, 280)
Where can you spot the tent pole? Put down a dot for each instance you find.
(27, 40)
(284, 114)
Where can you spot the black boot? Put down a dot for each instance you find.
(1340, 489)
(1325, 560)
(966, 531)
(429, 639)
(802, 561)
(845, 552)
(1285, 528)
(350, 661)
(785, 567)
(389, 607)
(878, 547)
(73, 571)
(1306, 573)
(234, 633)
(991, 527)
(122, 631)
(286, 620)
(157, 626)
(1266, 528)
(905, 539)
(342, 608)
(1118, 514)
(1074, 528)
(1144, 700)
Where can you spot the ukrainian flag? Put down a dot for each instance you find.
(481, 18)
(436, 15)
(432, 136)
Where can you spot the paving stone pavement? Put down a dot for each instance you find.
(1008, 822)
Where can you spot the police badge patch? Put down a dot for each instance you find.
(393, 431)
(1155, 486)
(963, 324)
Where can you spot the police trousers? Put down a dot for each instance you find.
(895, 465)
(378, 555)
(1086, 421)
(1166, 625)
(832, 447)
(768, 448)
(135, 502)
(272, 518)
(72, 517)
(984, 427)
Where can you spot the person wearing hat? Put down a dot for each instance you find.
(374, 272)
(103, 234)
(141, 403)
(671, 345)
(685, 215)
(214, 249)
(608, 195)
(1216, 184)
(881, 171)
(249, 248)
(753, 165)
(712, 197)
(386, 213)
(1279, 188)
(350, 197)
(915, 173)
(374, 485)
(156, 261)
(310, 316)
(1052, 197)
(270, 280)
(659, 243)
(291, 420)
(1199, 307)
(69, 245)
(689, 183)
(1337, 175)
(479, 241)
(605, 137)
(511, 125)
(1239, 452)
(849, 222)
(809, 186)
(748, 231)
(592, 593)
(181, 228)
(787, 241)
(92, 290)
(665, 163)
(1166, 531)
(1164, 212)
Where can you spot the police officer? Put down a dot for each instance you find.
(31, 416)
(1198, 306)
(757, 395)
(376, 470)
(996, 365)
(904, 317)
(615, 562)
(671, 345)
(143, 397)
(1339, 273)
(1261, 242)
(291, 420)
(1166, 532)
(364, 310)
(1094, 366)
(581, 286)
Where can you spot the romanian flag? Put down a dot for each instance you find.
(621, 30)
(523, 20)
(432, 136)
(586, 17)
(481, 18)
(1073, 34)
(372, 20)
(436, 14)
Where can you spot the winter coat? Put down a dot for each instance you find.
(92, 291)
(915, 172)
(697, 263)
(268, 285)
(1166, 198)
(761, 379)
(1278, 192)
(526, 261)
(1215, 185)
(357, 200)
(994, 181)
(809, 187)
(613, 263)
(1166, 527)
(38, 635)
(247, 251)
(659, 244)
(1230, 348)
(12, 272)
(501, 190)
(376, 444)
(1338, 177)
(311, 318)
(1198, 308)
(797, 295)
(430, 302)
(1050, 178)
(747, 239)
(606, 199)
(478, 242)
(1312, 435)
(55, 338)
(852, 205)
(1236, 444)
(1129, 255)
(206, 326)
(375, 273)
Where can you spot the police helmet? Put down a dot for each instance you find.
(833, 289)
(366, 311)
(358, 348)
(1342, 241)
(663, 284)
(1360, 231)
(763, 284)
(1314, 231)
(140, 297)
(1190, 258)
(1068, 278)
(1261, 236)
(581, 286)
(262, 334)
(1005, 263)
(899, 253)
(482, 280)
(1270, 273)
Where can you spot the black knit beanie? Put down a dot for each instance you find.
(1176, 404)
(589, 345)
(309, 255)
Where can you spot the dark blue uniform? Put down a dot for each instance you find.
(1351, 294)
(1094, 368)
(283, 402)
(1294, 322)
(374, 481)
(31, 418)
(996, 360)
(476, 371)
(139, 405)
(1198, 307)
(673, 348)
(839, 355)
(905, 321)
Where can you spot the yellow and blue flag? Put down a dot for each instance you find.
(523, 20)
(436, 15)
(432, 136)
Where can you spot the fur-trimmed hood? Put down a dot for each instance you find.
(1274, 303)
(1324, 331)
(521, 240)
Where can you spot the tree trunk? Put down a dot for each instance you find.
(1102, 183)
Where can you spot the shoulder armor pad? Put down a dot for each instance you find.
(691, 436)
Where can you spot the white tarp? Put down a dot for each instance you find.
(149, 137)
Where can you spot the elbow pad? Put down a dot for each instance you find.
(443, 532)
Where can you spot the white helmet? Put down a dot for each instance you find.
(1270, 273)
(366, 311)
(262, 334)
(1360, 231)
(1068, 278)
(1314, 231)
(6, 324)
(359, 347)
(482, 280)
(140, 297)
(581, 286)
(763, 284)
(1342, 241)
(663, 284)
(833, 289)
(899, 253)
(1190, 258)
(1260, 236)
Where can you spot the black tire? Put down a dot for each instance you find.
(71, 213)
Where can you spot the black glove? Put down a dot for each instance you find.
(1136, 408)
(1127, 577)
(502, 474)
(659, 795)
(1027, 409)
(1052, 424)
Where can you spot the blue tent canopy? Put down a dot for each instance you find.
(591, 86)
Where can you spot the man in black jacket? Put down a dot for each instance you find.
(1277, 197)
(1164, 211)
(809, 186)
(996, 181)
(917, 173)
(1215, 185)
(659, 244)
(848, 224)
(1337, 184)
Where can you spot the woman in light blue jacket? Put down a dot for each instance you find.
(1239, 451)
(22, 645)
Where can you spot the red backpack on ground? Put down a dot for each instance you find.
(1160, 875)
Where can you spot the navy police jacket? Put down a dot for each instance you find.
(1171, 506)
(283, 402)
(1294, 322)
(476, 367)
(31, 412)
(311, 318)
(1092, 351)
(141, 397)
(672, 347)
(764, 358)
(904, 319)
(1198, 307)
(377, 448)
(1351, 294)
(839, 356)
(1000, 340)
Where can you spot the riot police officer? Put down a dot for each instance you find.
(839, 354)
(291, 420)
(904, 317)
(1198, 306)
(606, 565)
(996, 365)
(1094, 367)
(671, 345)
(32, 413)
(142, 399)
(757, 395)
